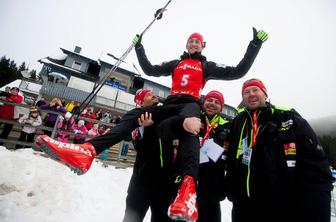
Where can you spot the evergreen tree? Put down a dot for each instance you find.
(32, 74)
(22, 67)
(8, 71)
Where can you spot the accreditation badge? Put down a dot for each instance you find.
(247, 156)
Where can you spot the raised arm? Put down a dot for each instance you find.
(223, 72)
(165, 69)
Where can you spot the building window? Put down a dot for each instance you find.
(161, 94)
(77, 65)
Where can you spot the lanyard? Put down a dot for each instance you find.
(255, 128)
(209, 126)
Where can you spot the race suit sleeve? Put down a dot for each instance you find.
(165, 69)
(214, 70)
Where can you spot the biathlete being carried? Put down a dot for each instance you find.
(189, 75)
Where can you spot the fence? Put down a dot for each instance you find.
(115, 155)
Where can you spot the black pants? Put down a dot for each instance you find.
(311, 207)
(209, 212)
(142, 196)
(5, 131)
(48, 124)
(25, 137)
(185, 106)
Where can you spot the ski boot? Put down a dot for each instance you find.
(78, 157)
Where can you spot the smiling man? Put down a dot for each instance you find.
(277, 168)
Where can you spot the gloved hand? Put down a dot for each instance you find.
(158, 13)
(137, 40)
(259, 36)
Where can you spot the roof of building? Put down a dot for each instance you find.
(49, 62)
(78, 54)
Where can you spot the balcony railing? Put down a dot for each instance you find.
(58, 90)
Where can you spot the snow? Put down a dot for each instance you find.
(36, 189)
(15, 83)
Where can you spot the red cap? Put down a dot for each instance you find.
(140, 95)
(255, 82)
(217, 95)
(196, 35)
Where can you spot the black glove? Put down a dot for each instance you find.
(158, 14)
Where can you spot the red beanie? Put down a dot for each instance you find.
(217, 95)
(255, 82)
(140, 95)
(196, 36)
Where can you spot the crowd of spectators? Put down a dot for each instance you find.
(55, 114)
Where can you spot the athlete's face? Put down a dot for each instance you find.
(254, 98)
(194, 45)
(212, 106)
(150, 99)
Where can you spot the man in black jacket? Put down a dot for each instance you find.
(151, 182)
(277, 169)
(211, 187)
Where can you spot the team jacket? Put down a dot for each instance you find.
(153, 160)
(191, 72)
(211, 181)
(287, 163)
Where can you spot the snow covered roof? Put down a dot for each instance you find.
(47, 61)
(15, 83)
(24, 86)
(78, 54)
(58, 57)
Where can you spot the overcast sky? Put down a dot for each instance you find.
(297, 63)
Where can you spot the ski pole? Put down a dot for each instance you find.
(100, 84)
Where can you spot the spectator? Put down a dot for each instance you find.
(30, 121)
(76, 107)
(40, 102)
(7, 111)
(5, 93)
(94, 130)
(63, 102)
(80, 129)
(99, 114)
(69, 107)
(66, 123)
(56, 106)
(106, 117)
(88, 113)
(101, 130)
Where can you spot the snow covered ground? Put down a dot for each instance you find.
(37, 189)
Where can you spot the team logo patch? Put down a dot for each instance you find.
(290, 149)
